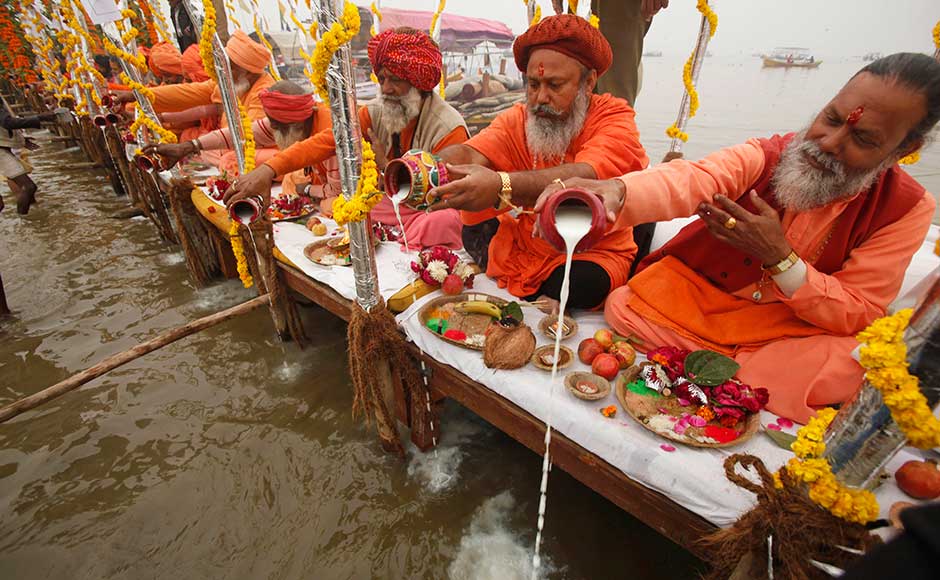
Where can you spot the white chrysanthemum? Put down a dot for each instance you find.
(463, 270)
(438, 270)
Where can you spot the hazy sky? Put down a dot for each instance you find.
(828, 27)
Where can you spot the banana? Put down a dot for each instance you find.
(478, 307)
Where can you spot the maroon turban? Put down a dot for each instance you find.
(568, 34)
(413, 57)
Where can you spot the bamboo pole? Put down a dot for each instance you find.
(114, 361)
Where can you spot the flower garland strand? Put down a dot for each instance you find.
(163, 135)
(241, 261)
(673, 132)
(914, 157)
(884, 358)
(809, 467)
(434, 21)
(275, 74)
(205, 39)
(367, 192)
(249, 136)
(339, 34)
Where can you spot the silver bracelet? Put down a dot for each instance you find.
(196, 145)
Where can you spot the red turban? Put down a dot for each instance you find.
(246, 53)
(191, 62)
(413, 57)
(568, 34)
(286, 108)
(165, 60)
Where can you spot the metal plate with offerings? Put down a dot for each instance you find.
(462, 319)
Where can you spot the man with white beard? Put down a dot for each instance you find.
(563, 131)
(802, 241)
(291, 115)
(408, 114)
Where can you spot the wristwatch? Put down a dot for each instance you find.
(505, 193)
(196, 146)
(783, 265)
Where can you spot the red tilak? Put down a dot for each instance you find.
(541, 70)
(855, 115)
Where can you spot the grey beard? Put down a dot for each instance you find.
(397, 112)
(242, 86)
(549, 138)
(799, 186)
(293, 134)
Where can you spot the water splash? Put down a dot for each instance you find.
(438, 471)
(490, 550)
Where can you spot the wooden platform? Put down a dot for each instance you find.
(652, 508)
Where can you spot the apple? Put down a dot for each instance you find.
(605, 365)
(604, 337)
(452, 284)
(625, 353)
(588, 349)
(919, 479)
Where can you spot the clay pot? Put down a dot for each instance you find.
(146, 163)
(573, 196)
(416, 172)
(245, 211)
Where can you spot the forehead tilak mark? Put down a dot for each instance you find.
(855, 115)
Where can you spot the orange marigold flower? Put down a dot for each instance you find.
(609, 411)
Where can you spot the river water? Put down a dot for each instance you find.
(232, 455)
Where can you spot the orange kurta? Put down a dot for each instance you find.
(799, 372)
(173, 98)
(609, 143)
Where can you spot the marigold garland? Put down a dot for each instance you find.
(241, 261)
(378, 18)
(595, 21)
(230, 12)
(536, 16)
(163, 135)
(367, 192)
(436, 16)
(673, 131)
(910, 159)
(275, 74)
(339, 34)
(809, 467)
(884, 357)
(249, 136)
(205, 39)
(936, 35)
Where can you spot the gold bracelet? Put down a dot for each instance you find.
(505, 192)
(783, 265)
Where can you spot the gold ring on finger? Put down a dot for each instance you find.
(731, 223)
(560, 182)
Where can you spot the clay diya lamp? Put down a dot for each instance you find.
(573, 197)
(409, 178)
(246, 211)
(587, 386)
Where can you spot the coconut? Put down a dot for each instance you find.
(508, 347)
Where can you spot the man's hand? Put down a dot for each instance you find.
(760, 235)
(381, 158)
(171, 153)
(254, 184)
(121, 98)
(471, 188)
(651, 7)
(611, 192)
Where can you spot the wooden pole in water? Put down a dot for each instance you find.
(4, 309)
(114, 361)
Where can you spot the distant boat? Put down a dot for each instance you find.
(872, 56)
(787, 57)
(653, 53)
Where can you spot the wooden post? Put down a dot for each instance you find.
(502, 67)
(486, 85)
(221, 20)
(114, 361)
(4, 309)
(262, 237)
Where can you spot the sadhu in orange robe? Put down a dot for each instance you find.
(610, 144)
(792, 333)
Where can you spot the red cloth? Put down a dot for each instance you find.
(191, 63)
(568, 34)
(890, 198)
(246, 53)
(412, 57)
(165, 60)
(286, 108)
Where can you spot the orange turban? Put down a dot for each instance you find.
(191, 62)
(247, 54)
(165, 60)
(411, 56)
(568, 34)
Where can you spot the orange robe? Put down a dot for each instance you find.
(609, 143)
(800, 372)
(421, 228)
(174, 98)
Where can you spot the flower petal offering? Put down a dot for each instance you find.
(692, 398)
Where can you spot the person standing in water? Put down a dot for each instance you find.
(14, 169)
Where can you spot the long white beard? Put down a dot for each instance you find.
(242, 86)
(799, 186)
(397, 112)
(549, 137)
(293, 134)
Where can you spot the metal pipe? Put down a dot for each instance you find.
(701, 47)
(863, 437)
(348, 137)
